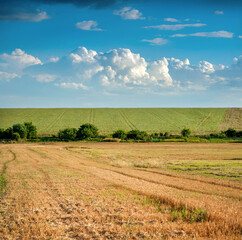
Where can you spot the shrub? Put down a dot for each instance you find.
(67, 134)
(166, 135)
(230, 133)
(185, 132)
(31, 130)
(154, 135)
(137, 135)
(121, 134)
(21, 129)
(16, 136)
(239, 134)
(87, 131)
(1, 133)
(8, 133)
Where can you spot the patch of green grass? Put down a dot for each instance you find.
(229, 169)
(196, 215)
(3, 180)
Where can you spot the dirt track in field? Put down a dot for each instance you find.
(74, 191)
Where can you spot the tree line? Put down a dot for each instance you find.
(90, 132)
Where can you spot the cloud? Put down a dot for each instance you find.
(156, 41)
(72, 85)
(121, 70)
(54, 59)
(17, 61)
(218, 34)
(4, 76)
(26, 17)
(129, 13)
(45, 78)
(240, 36)
(171, 20)
(218, 12)
(206, 67)
(176, 26)
(88, 26)
(13, 10)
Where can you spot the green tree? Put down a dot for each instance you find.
(16, 136)
(137, 135)
(31, 130)
(186, 132)
(21, 129)
(67, 134)
(87, 131)
(1, 133)
(120, 134)
(230, 133)
(8, 133)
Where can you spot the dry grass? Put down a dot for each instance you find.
(103, 191)
(232, 119)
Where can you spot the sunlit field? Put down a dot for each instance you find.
(120, 191)
(108, 120)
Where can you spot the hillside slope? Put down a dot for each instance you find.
(199, 120)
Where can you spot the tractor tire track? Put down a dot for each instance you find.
(119, 171)
(91, 116)
(126, 120)
(55, 120)
(3, 180)
(171, 175)
(203, 121)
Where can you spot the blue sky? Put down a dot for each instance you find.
(89, 53)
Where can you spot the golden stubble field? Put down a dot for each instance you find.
(121, 191)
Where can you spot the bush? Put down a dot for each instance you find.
(185, 132)
(137, 135)
(166, 135)
(121, 134)
(154, 135)
(230, 133)
(239, 134)
(1, 133)
(87, 131)
(8, 133)
(16, 136)
(31, 130)
(21, 129)
(67, 134)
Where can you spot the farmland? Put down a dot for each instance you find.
(199, 120)
(120, 191)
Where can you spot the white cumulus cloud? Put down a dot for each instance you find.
(17, 61)
(119, 70)
(176, 26)
(206, 67)
(88, 25)
(156, 41)
(129, 13)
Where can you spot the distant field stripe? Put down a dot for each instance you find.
(91, 116)
(204, 120)
(56, 120)
(126, 120)
(156, 116)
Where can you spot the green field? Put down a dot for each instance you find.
(199, 120)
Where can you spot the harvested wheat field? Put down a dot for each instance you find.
(120, 191)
